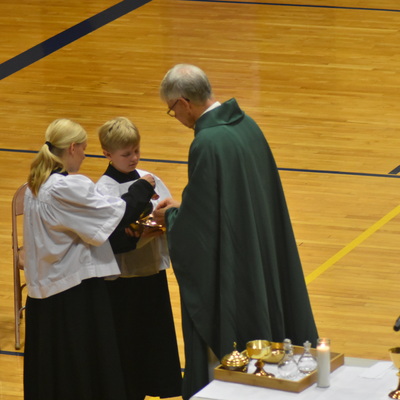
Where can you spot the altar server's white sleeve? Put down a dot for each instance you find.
(78, 206)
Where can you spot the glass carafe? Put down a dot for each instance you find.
(287, 367)
(307, 363)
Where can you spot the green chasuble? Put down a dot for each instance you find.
(232, 246)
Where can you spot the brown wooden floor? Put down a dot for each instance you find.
(321, 78)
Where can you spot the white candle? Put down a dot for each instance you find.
(324, 362)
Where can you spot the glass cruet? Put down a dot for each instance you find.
(287, 367)
(307, 363)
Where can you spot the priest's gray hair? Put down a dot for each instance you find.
(187, 81)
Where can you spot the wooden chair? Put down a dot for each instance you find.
(17, 209)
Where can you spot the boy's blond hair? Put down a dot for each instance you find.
(117, 134)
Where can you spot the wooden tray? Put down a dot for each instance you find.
(337, 359)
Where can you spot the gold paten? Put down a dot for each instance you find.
(149, 222)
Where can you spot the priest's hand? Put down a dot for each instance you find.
(164, 205)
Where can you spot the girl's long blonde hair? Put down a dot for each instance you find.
(60, 134)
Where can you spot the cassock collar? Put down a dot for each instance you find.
(119, 176)
(59, 171)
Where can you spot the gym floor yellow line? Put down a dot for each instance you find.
(352, 245)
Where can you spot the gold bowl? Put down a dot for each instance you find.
(277, 353)
(258, 349)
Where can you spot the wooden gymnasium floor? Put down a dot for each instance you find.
(322, 79)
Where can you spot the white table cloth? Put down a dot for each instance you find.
(346, 383)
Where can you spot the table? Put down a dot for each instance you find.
(358, 379)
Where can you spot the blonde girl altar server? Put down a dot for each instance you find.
(71, 349)
(140, 296)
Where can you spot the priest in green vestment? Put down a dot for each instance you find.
(231, 241)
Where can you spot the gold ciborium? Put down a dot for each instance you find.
(395, 356)
(259, 350)
(235, 361)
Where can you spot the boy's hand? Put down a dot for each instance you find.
(133, 232)
(150, 178)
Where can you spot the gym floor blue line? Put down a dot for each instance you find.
(11, 353)
(318, 171)
(68, 36)
(296, 5)
(89, 25)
